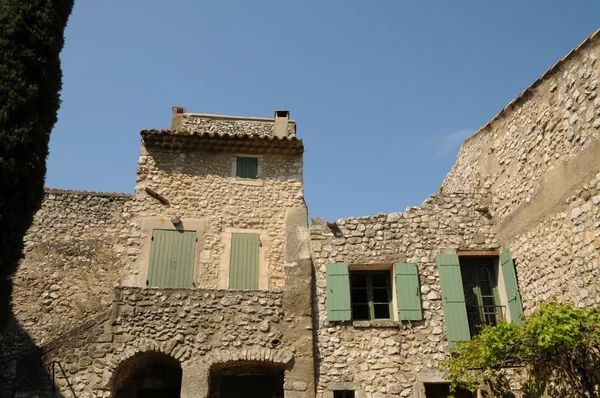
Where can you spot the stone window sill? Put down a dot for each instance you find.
(247, 181)
(375, 324)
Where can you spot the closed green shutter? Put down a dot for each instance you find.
(408, 292)
(247, 167)
(243, 267)
(512, 289)
(453, 299)
(172, 259)
(338, 292)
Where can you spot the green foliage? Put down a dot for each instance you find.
(558, 343)
(31, 38)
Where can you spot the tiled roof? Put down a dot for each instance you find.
(251, 143)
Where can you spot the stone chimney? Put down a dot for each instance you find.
(281, 123)
(177, 118)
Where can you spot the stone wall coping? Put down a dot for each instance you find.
(58, 191)
(318, 222)
(239, 118)
(546, 75)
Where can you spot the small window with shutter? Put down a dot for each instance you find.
(246, 167)
(362, 295)
(471, 296)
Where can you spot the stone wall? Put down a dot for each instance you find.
(198, 328)
(521, 150)
(385, 359)
(74, 253)
(539, 161)
(202, 191)
(559, 258)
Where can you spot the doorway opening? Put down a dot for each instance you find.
(148, 375)
(246, 379)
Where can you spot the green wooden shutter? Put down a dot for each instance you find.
(512, 289)
(172, 259)
(243, 266)
(247, 167)
(453, 299)
(338, 292)
(408, 292)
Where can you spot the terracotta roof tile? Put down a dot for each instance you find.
(254, 143)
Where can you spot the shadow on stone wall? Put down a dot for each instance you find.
(22, 372)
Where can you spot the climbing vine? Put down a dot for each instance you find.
(559, 345)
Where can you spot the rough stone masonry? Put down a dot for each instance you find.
(529, 180)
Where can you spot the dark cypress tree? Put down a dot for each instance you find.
(31, 38)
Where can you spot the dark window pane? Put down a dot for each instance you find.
(488, 301)
(360, 312)
(382, 311)
(379, 280)
(486, 289)
(358, 280)
(359, 296)
(343, 394)
(247, 167)
(380, 296)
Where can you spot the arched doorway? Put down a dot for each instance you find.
(147, 375)
(246, 379)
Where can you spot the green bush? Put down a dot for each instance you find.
(557, 343)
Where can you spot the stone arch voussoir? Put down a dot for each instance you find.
(143, 347)
(275, 357)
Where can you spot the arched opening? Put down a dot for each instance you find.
(246, 379)
(147, 375)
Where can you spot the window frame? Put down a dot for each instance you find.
(370, 301)
(236, 167)
(470, 268)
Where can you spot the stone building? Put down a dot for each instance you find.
(208, 282)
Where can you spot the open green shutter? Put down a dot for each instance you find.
(243, 266)
(453, 299)
(512, 289)
(338, 292)
(172, 259)
(408, 292)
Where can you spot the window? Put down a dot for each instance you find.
(482, 298)
(442, 390)
(172, 259)
(246, 167)
(371, 295)
(343, 394)
(367, 295)
(243, 267)
(471, 293)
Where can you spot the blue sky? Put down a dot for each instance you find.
(383, 92)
